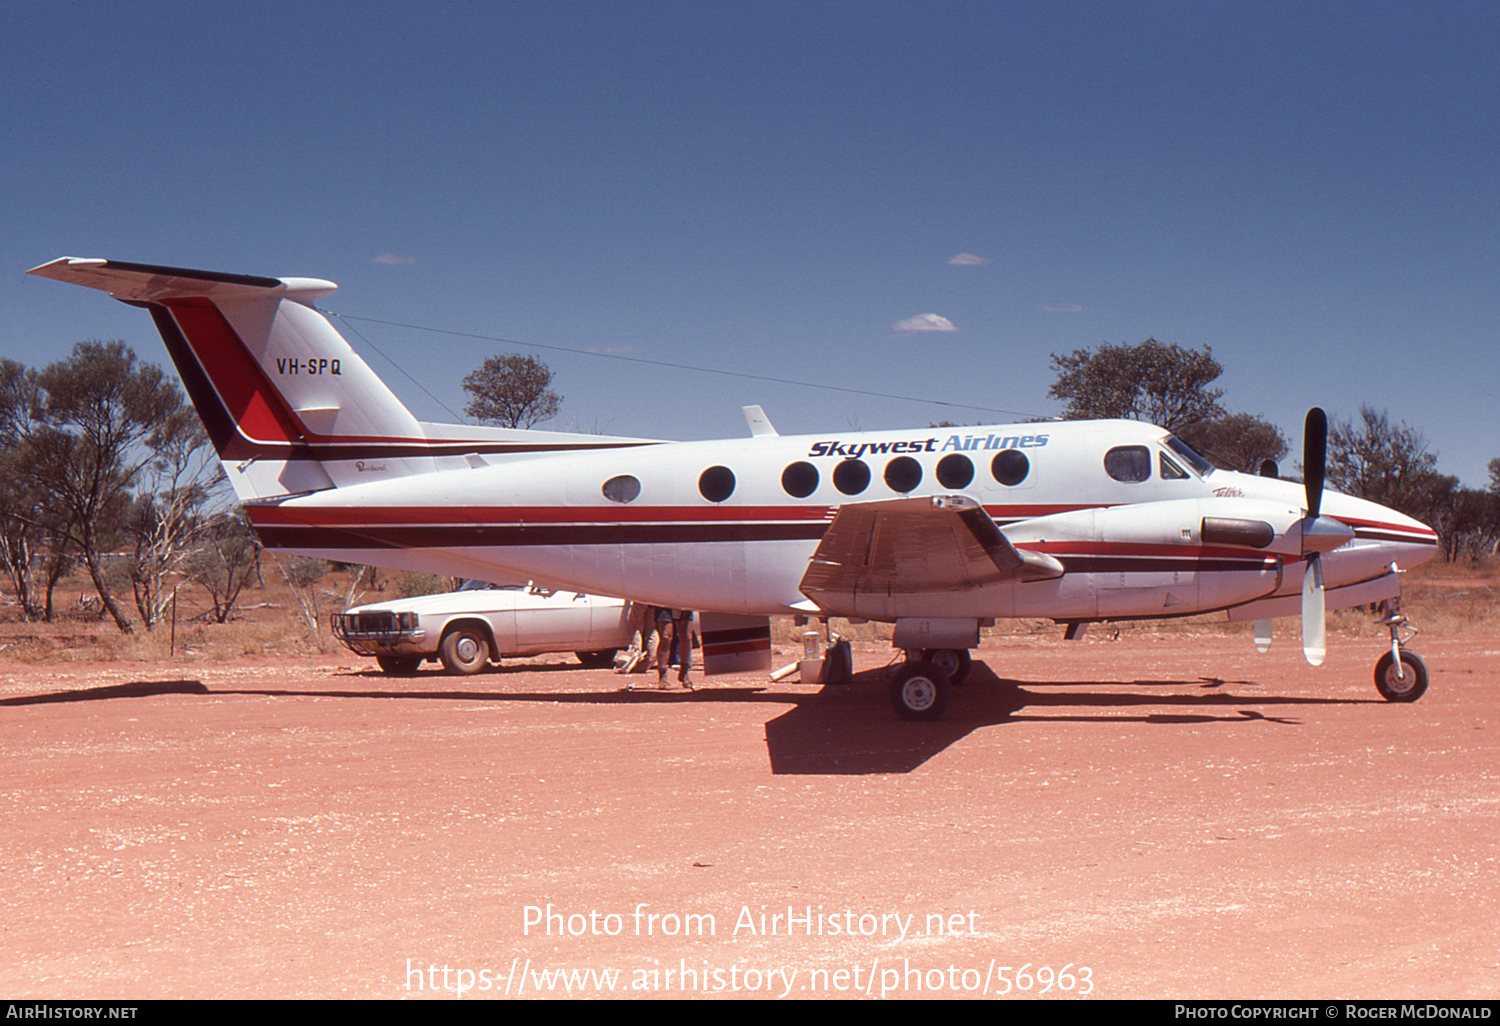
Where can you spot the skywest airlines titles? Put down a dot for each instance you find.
(954, 443)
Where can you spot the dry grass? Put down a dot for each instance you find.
(271, 620)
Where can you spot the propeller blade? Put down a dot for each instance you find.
(1263, 636)
(1314, 633)
(1314, 457)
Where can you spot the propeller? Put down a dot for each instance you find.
(1319, 535)
(1314, 458)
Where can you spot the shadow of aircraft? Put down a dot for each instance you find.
(133, 689)
(850, 730)
(839, 729)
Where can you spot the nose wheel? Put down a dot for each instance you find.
(1400, 676)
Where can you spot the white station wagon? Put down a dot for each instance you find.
(482, 623)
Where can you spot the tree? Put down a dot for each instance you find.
(1237, 441)
(1385, 463)
(23, 511)
(166, 519)
(1164, 384)
(512, 391)
(226, 561)
(1467, 520)
(98, 413)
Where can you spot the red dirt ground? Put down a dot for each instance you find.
(1159, 816)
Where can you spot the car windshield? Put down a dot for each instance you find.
(1198, 463)
(475, 584)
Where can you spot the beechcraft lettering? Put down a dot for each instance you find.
(1120, 521)
(318, 365)
(954, 443)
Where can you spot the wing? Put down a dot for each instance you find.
(908, 546)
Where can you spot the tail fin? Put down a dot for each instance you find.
(288, 404)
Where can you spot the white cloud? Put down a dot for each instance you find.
(392, 258)
(968, 260)
(925, 322)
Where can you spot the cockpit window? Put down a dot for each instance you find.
(1198, 463)
(1170, 471)
(1129, 463)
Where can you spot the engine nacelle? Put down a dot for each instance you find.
(1160, 559)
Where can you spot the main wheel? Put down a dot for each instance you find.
(464, 650)
(398, 666)
(955, 662)
(1411, 683)
(920, 691)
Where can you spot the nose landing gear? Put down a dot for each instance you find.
(1400, 676)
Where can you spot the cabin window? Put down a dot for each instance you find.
(1128, 463)
(851, 476)
(624, 488)
(903, 474)
(799, 480)
(955, 471)
(1010, 467)
(716, 484)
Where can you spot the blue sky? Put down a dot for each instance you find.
(786, 190)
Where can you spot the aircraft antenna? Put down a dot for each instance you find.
(683, 366)
(396, 365)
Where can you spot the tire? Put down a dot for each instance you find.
(398, 666)
(955, 662)
(920, 691)
(1413, 682)
(597, 660)
(464, 650)
(838, 664)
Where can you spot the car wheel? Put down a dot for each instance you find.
(464, 650)
(398, 666)
(597, 660)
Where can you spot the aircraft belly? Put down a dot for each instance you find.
(996, 600)
(660, 574)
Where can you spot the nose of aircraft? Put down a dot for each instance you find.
(1394, 536)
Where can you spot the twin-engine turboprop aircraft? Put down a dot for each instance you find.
(936, 530)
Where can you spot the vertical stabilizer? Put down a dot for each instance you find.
(289, 406)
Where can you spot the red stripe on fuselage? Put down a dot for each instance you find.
(420, 516)
(332, 516)
(1063, 549)
(1415, 532)
(465, 515)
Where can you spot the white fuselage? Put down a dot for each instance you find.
(1110, 500)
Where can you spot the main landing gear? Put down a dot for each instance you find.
(922, 683)
(1400, 676)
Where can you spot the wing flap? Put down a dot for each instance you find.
(941, 543)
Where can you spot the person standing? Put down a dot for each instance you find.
(682, 630)
(674, 625)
